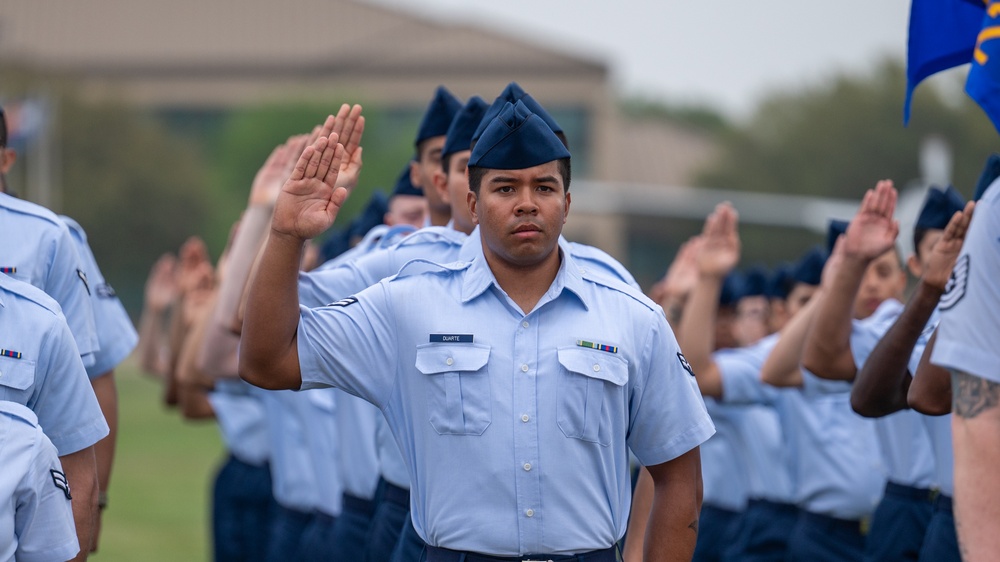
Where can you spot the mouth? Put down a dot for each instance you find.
(526, 230)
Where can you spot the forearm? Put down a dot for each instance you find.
(642, 503)
(268, 353)
(882, 384)
(826, 350)
(81, 473)
(783, 366)
(249, 238)
(930, 390)
(104, 450)
(697, 333)
(672, 530)
(151, 342)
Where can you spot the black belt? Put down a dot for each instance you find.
(395, 494)
(358, 505)
(789, 508)
(943, 503)
(859, 526)
(435, 554)
(910, 492)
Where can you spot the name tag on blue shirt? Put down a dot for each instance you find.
(451, 338)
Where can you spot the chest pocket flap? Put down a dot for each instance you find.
(437, 359)
(18, 374)
(595, 364)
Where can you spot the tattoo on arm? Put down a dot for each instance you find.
(693, 526)
(973, 395)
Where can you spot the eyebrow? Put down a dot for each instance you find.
(509, 179)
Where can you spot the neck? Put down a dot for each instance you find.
(440, 218)
(525, 285)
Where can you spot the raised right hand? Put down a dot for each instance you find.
(310, 199)
(720, 245)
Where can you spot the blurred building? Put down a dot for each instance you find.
(196, 59)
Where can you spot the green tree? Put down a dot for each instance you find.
(838, 138)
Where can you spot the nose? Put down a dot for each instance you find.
(526, 204)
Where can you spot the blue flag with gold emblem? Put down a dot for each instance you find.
(983, 84)
(942, 35)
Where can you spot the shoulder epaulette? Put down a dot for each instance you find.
(29, 292)
(619, 286)
(28, 208)
(422, 266)
(433, 235)
(20, 412)
(74, 228)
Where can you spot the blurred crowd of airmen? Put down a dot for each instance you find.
(447, 378)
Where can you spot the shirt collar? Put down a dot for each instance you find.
(479, 277)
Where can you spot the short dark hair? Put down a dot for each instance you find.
(476, 175)
(3, 129)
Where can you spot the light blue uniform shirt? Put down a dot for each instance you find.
(902, 438)
(759, 435)
(390, 459)
(354, 422)
(116, 335)
(835, 468)
(514, 435)
(40, 368)
(315, 426)
(938, 427)
(293, 476)
(36, 518)
(723, 467)
(39, 250)
(240, 415)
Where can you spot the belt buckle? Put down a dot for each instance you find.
(536, 560)
(865, 525)
(933, 496)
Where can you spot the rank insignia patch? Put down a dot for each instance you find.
(597, 346)
(83, 277)
(684, 363)
(344, 302)
(955, 289)
(59, 479)
(9, 353)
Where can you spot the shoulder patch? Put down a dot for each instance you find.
(60, 481)
(105, 291)
(684, 363)
(955, 289)
(344, 302)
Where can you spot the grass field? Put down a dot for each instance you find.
(160, 488)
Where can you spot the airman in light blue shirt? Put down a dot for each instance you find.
(39, 249)
(36, 518)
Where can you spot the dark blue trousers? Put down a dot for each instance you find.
(286, 533)
(349, 533)
(242, 508)
(820, 538)
(317, 542)
(392, 511)
(941, 541)
(899, 524)
(410, 546)
(717, 531)
(764, 532)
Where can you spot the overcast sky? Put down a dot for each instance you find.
(722, 53)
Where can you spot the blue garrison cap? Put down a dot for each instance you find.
(809, 268)
(939, 206)
(513, 93)
(463, 125)
(732, 289)
(833, 231)
(515, 140)
(438, 116)
(372, 216)
(991, 171)
(404, 186)
(779, 281)
(755, 282)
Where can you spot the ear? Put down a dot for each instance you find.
(415, 174)
(473, 200)
(7, 158)
(569, 199)
(913, 264)
(440, 181)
